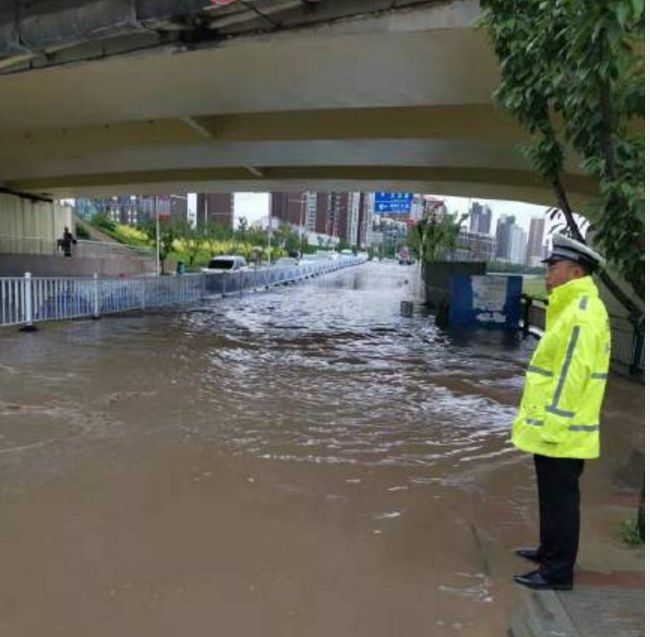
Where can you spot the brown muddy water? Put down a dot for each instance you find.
(303, 461)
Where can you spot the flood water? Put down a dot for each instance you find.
(302, 461)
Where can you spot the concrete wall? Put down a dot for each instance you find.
(28, 226)
(437, 275)
(29, 230)
(59, 266)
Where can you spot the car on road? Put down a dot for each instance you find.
(226, 262)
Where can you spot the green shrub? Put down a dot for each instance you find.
(81, 232)
(103, 220)
(630, 533)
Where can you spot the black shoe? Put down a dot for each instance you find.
(537, 581)
(529, 554)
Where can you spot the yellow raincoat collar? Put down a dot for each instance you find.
(564, 294)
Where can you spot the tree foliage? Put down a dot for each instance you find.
(192, 240)
(169, 231)
(286, 237)
(434, 236)
(572, 73)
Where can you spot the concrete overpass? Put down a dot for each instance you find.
(138, 96)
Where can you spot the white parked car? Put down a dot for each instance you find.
(225, 262)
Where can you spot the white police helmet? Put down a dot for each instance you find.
(565, 248)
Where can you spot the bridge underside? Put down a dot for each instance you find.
(392, 99)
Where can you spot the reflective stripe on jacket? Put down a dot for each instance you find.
(559, 415)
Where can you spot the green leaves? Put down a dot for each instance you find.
(582, 61)
(434, 236)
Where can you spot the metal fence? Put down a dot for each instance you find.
(27, 300)
(628, 338)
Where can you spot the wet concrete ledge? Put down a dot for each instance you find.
(600, 605)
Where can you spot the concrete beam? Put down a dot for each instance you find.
(504, 181)
(455, 121)
(373, 70)
(197, 127)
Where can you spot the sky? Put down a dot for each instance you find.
(254, 206)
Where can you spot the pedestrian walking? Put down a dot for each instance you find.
(559, 416)
(66, 242)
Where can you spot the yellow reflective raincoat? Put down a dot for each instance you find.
(559, 415)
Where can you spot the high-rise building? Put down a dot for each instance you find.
(417, 208)
(352, 219)
(124, 209)
(366, 202)
(339, 209)
(215, 208)
(480, 218)
(136, 209)
(435, 206)
(474, 246)
(534, 253)
(153, 205)
(504, 228)
(290, 207)
(322, 212)
(336, 214)
(332, 213)
(517, 245)
(310, 211)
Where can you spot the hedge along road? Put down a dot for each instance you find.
(303, 461)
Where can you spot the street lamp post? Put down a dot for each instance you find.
(268, 234)
(303, 220)
(155, 212)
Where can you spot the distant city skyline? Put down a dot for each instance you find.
(523, 212)
(255, 206)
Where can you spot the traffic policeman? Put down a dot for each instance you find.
(559, 416)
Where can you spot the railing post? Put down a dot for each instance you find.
(28, 306)
(95, 296)
(528, 302)
(638, 353)
(143, 299)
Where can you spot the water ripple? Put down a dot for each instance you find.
(308, 375)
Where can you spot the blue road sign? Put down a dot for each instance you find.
(387, 202)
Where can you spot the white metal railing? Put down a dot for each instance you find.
(27, 300)
(627, 345)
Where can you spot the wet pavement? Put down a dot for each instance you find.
(303, 461)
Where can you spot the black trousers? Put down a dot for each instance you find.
(559, 515)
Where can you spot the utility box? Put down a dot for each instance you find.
(490, 301)
(437, 277)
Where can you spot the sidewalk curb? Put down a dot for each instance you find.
(542, 615)
(584, 612)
